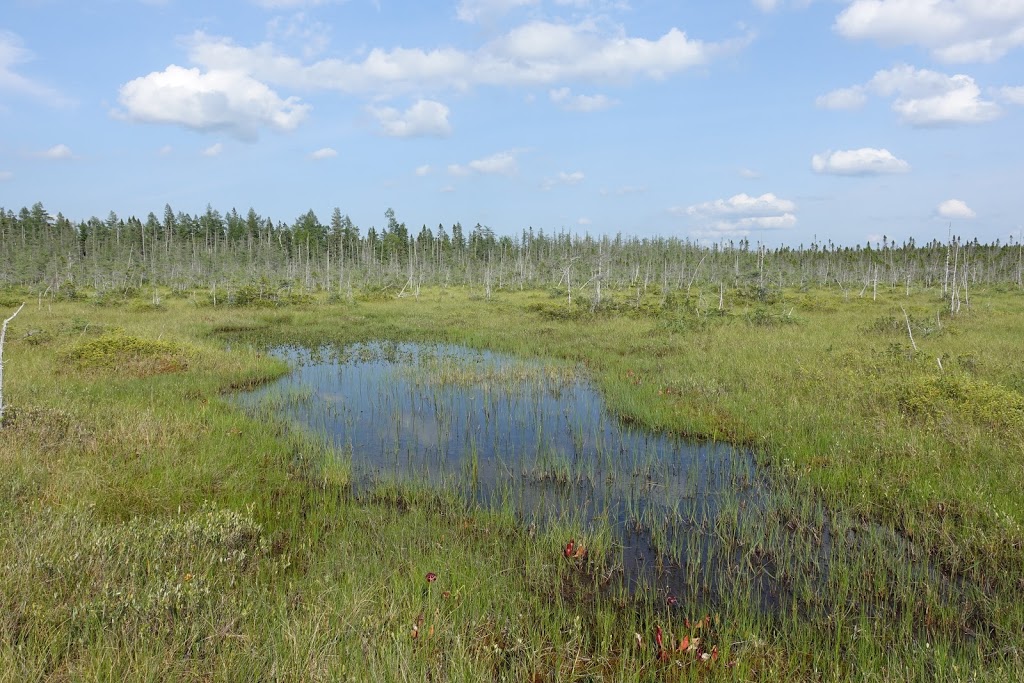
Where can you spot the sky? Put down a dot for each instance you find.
(782, 121)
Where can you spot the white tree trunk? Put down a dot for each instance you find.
(3, 335)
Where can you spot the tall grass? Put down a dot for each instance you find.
(151, 529)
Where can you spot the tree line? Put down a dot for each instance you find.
(180, 251)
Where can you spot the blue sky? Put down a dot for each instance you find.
(778, 120)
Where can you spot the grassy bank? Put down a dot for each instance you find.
(152, 530)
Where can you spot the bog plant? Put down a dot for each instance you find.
(122, 353)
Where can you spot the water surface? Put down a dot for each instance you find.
(530, 435)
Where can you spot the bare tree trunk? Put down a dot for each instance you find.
(3, 335)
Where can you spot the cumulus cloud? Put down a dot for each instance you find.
(501, 163)
(217, 100)
(739, 215)
(584, 221)
(213, 150)
(423, 170)
(863, 161)
(772, 5)
(324, 153)
(951, 30)
(1013, 95)
(955, 208)
(476, 11)
(12, 54)
(749, 174)
(291, 4)
(536, 53)
(563, 178)
(425, 118)
(473, 11)
(843, 98)
(564, 98)
(921, 97)
(57, 152)
(310, 35)
(165, 150)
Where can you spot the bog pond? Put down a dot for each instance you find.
(534, 437)
(685, 520)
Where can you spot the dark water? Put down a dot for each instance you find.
(534, 437)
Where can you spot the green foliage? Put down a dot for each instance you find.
(912, 476)
(958, 394)
(150, 577)
(68, 292)
(128, 355)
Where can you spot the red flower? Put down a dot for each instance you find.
(569, 547)
(431, 577)
(671, 600)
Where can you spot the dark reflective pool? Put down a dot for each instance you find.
(533, 436)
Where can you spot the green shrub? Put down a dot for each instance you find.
(128, 355)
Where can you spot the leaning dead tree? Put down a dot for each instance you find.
(3, 335)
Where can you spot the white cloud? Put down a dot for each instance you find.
(743, 205)
(425, 118)
(476, 11)
(13, 53)
(955, 208)
(772, 5)
(563, 178)
(291, 4)
(6, 175)
(311, 36)
(1013, 94)
(501, 163)
(739, 215)
(564, 98)
(952, 30)
(473, 11)
(57, 152)
(447, 188)
(922, 97)
(843, 98)
(423, 170)
(324, 153)
(226, 100)
(749, 174)
(537, 53)
(213, 150)
(863, 161)
(165, 150)
(584, 221)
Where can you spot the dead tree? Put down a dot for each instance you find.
(3, 336)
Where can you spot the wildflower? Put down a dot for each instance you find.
(671, 600)
(431, 577)
(569, 547)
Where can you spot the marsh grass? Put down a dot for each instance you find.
(893, 524)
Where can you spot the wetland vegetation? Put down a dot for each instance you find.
(579, 460)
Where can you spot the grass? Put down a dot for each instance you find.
(151, 529)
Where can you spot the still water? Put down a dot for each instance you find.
(530, 435)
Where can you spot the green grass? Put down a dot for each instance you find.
(150, 529)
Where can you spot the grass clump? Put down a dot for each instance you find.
(128, 355)
(957, 394)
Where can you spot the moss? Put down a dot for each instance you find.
(128, 355)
